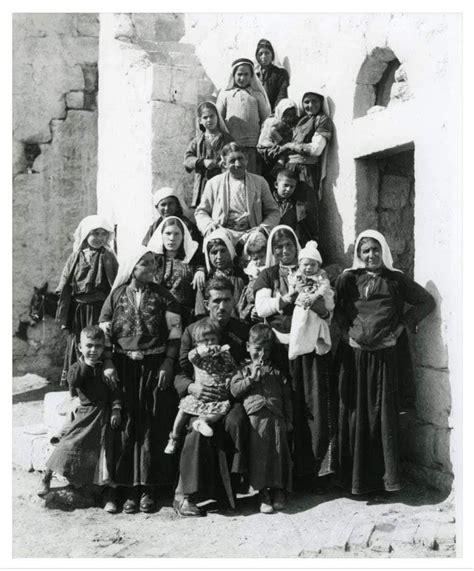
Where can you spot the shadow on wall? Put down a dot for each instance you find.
(426, 432)
(331, 238)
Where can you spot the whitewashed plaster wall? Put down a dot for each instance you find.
(325, 53)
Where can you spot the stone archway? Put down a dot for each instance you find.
(374, 81)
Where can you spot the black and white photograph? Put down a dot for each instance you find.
(237, 286)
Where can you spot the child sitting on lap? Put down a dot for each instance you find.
(256, 250)
(309, 332)
(213, 366)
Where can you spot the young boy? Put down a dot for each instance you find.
(266, 395)
(292, 205)
(83, 454)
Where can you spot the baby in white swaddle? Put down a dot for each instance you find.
(309, 332)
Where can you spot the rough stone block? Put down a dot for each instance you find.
(433, 396)
(430, 349)
(426, 535)
(419, 447)
(29, 450)
(442, 449)
(394, 192)
(403, 534)
(364, 99)
(441, 480)
(371, 71)
(383, 54)
(339, 536)
(44, 24)
(174, 84)
(88, 24)
(75, 100)
(54, 406)
(446, 534)
(360, 535)
(399, 93)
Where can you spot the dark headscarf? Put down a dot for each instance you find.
(264, 44)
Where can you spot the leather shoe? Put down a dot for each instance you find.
(131, 504)
(187, 508)
(147, 503)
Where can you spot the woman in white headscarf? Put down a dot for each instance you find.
(220, 255)
(85, 282)
(370, 310)
(175, 251)
(314, 399)
(167, 202)
(244, 106)
(142, 321)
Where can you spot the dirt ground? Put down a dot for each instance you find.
(330, 525)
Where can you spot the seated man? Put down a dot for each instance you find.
(213, 467)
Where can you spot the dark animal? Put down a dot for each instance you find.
(43, 303)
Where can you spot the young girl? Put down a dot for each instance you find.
(371, 309)
(308, 331)
(244, 106)
(220, 255)
(236, 200)
(213, 366)
(256, 251)
(84, 452)
(276, 132)
(274, 79)
(143, 322)
(308, 148)
(85, 282)
(266, 395)
(203, 155)
(167, 203)
(175, 269)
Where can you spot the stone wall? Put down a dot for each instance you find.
(55, 114)
(153, 82)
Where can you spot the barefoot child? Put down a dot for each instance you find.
(83, 454)
(244, 106)
(266, 395)
(213, 366)
(85, 282)
(309, 332)
(203, 156)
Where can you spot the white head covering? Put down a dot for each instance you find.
(255, 83)
(89, 223)
(386, 254)
(156, 241)
(219, 234)
(220, 121)
(270, 261)
(165, 192)
(282, 106)
(325, 107)
(128, 263)
(311, 252)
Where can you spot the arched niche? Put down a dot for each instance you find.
(375, 81)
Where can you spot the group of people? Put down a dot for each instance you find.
(204, 360)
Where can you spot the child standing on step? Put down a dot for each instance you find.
(203, 156)
(85, 282)
(84, 452)
(244, 106)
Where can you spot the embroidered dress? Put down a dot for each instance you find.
(213, 367)
(140, 325)
(370, 309)
(85, 283)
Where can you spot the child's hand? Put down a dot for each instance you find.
(110, 375)
(199, 280)
(115, 418)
